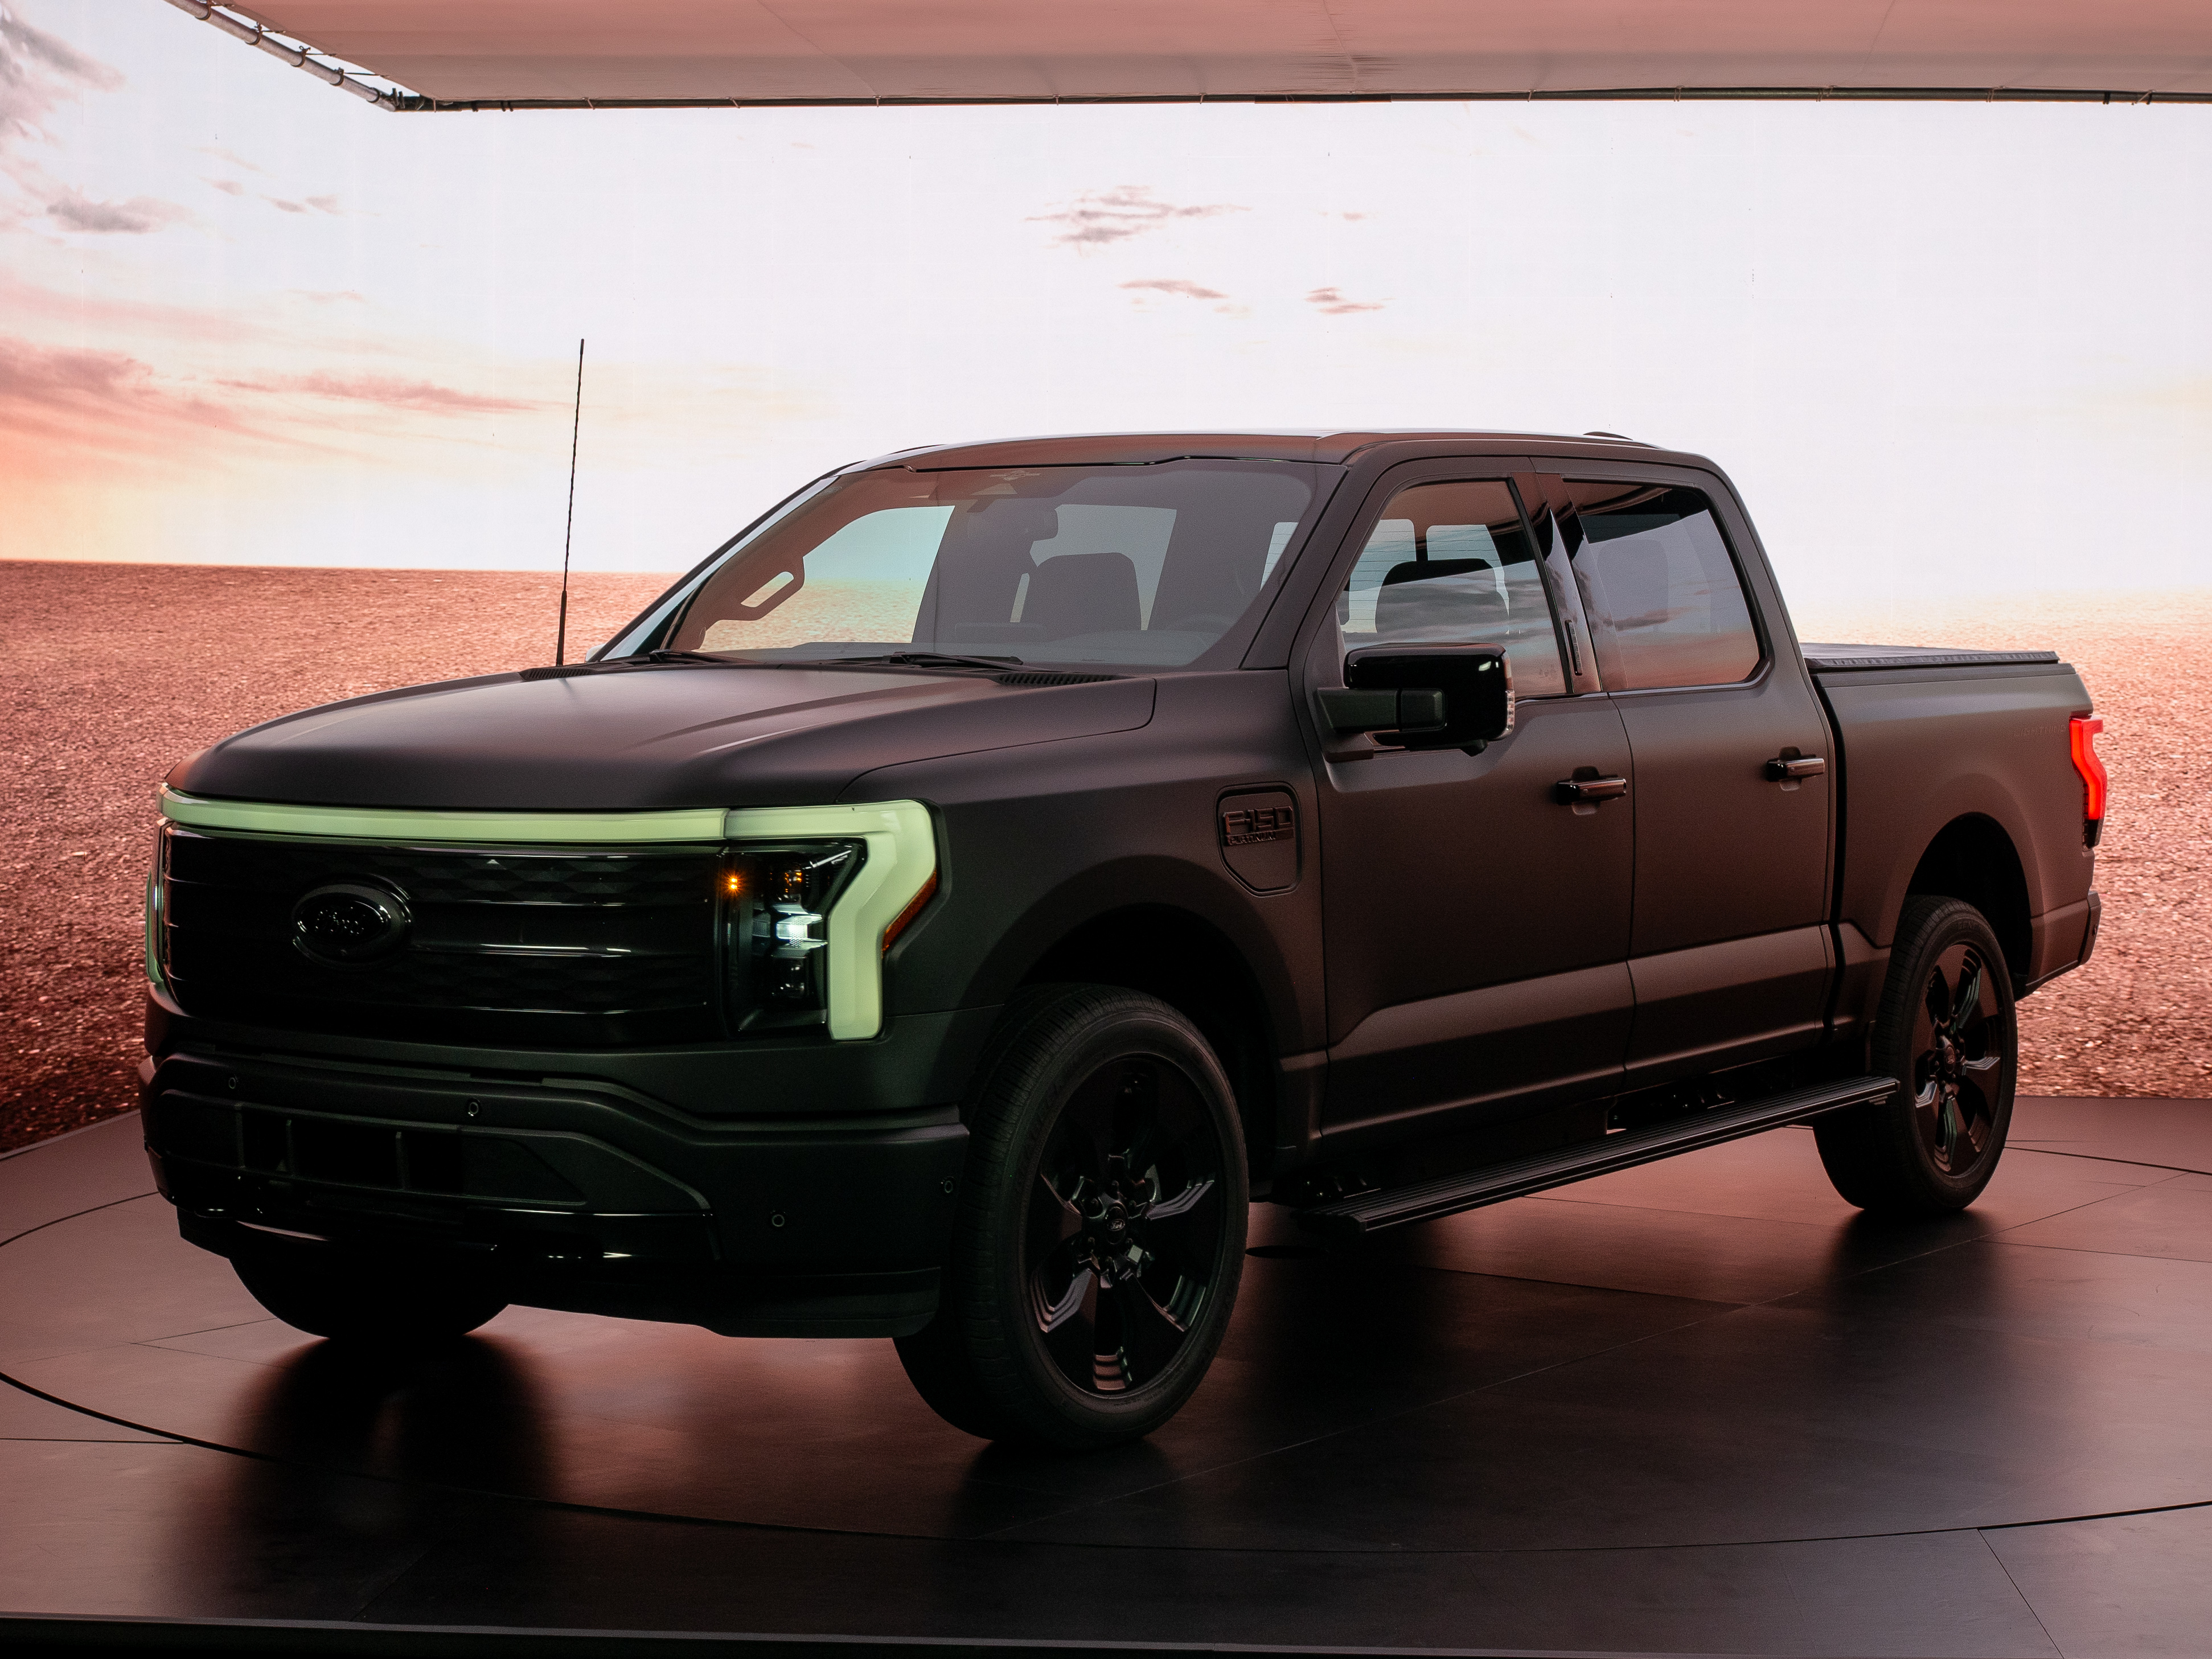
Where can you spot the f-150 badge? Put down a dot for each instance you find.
(1260, 838)
(1247, 826)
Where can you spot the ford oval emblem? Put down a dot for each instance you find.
(346, 923)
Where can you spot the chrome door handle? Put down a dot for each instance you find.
(1571, 791)
(1782, 768)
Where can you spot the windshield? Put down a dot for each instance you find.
(1142, 566)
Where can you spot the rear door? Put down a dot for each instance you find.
(1731, 785)
(1476, 925)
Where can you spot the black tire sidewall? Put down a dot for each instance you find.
(1063, 1037)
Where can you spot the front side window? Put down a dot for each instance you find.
(1142, 566)
(1451, 563)
(1664, 604)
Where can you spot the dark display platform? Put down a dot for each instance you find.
(1701, 1407)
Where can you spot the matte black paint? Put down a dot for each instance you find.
(1446, 949)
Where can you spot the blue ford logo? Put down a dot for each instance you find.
(346, 922)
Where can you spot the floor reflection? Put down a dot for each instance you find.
(360, 1463)
(470, 1414)
(1648, 1362)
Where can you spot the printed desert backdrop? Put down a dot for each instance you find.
(259, 341)
(116, 671)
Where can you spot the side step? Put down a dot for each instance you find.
(1369, 1212)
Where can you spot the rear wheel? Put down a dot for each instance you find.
(1100, 1233)
(1946, 1030)
(361, 1303)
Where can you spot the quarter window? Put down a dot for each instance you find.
(1452, 563)
(1664, 604)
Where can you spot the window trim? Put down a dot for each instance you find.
(1524, 483)
(1718, 498)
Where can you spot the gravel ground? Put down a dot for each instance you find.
(116, 672)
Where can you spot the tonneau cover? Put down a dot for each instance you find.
(1836, 658)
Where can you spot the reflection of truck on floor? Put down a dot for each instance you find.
(944, 908)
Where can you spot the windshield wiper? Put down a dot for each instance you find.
(707, 657)
(916, 659)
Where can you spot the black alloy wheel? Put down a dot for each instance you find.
(1946, 1030)
(1125, 1223)
(1100, 1233)
(1955, 1059)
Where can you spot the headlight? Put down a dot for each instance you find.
(822, 893)
(775, 939)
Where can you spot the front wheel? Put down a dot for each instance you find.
(1101, 1231)
(1946, 1030)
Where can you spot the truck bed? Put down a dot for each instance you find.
(1931, 737)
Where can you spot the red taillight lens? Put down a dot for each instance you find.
(2083, 739)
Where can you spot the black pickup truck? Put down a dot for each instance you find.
(945, 910)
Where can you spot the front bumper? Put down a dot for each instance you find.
(562, 1192)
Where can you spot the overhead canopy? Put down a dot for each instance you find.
(555, 53)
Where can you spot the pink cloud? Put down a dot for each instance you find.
(425, 396)
(1098, 217)
(231, 156)
(1331, 301)
(141, 214)
(35, 68)
(1176, 285)
(103, 399)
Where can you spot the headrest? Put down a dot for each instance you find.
(1084, 593)
(1439, 599)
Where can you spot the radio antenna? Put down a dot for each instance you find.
(569, 537)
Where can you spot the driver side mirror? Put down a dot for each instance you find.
(1441, 696)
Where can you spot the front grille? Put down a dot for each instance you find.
(501, 945)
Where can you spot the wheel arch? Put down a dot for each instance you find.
(1973, 859)
(1190, 964)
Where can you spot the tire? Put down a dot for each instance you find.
(1946, 1028)
(362, 1304)
(1101, 1230)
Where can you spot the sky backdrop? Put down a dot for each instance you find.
(1945, 349)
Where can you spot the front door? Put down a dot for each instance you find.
(1732, 780)
(1477, 924)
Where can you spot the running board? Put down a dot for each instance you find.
(1369, 1212)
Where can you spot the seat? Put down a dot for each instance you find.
(1084, 593)
(1438, 598)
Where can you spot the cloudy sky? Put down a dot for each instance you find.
(243, 317)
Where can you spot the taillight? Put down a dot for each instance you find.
(2083, 740)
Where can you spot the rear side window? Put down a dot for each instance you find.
(1451, 563)
(1664, 604)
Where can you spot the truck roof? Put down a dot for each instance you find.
(1316, 444)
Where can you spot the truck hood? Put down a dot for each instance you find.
(631, 740)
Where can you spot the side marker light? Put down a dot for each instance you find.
(913, 910)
